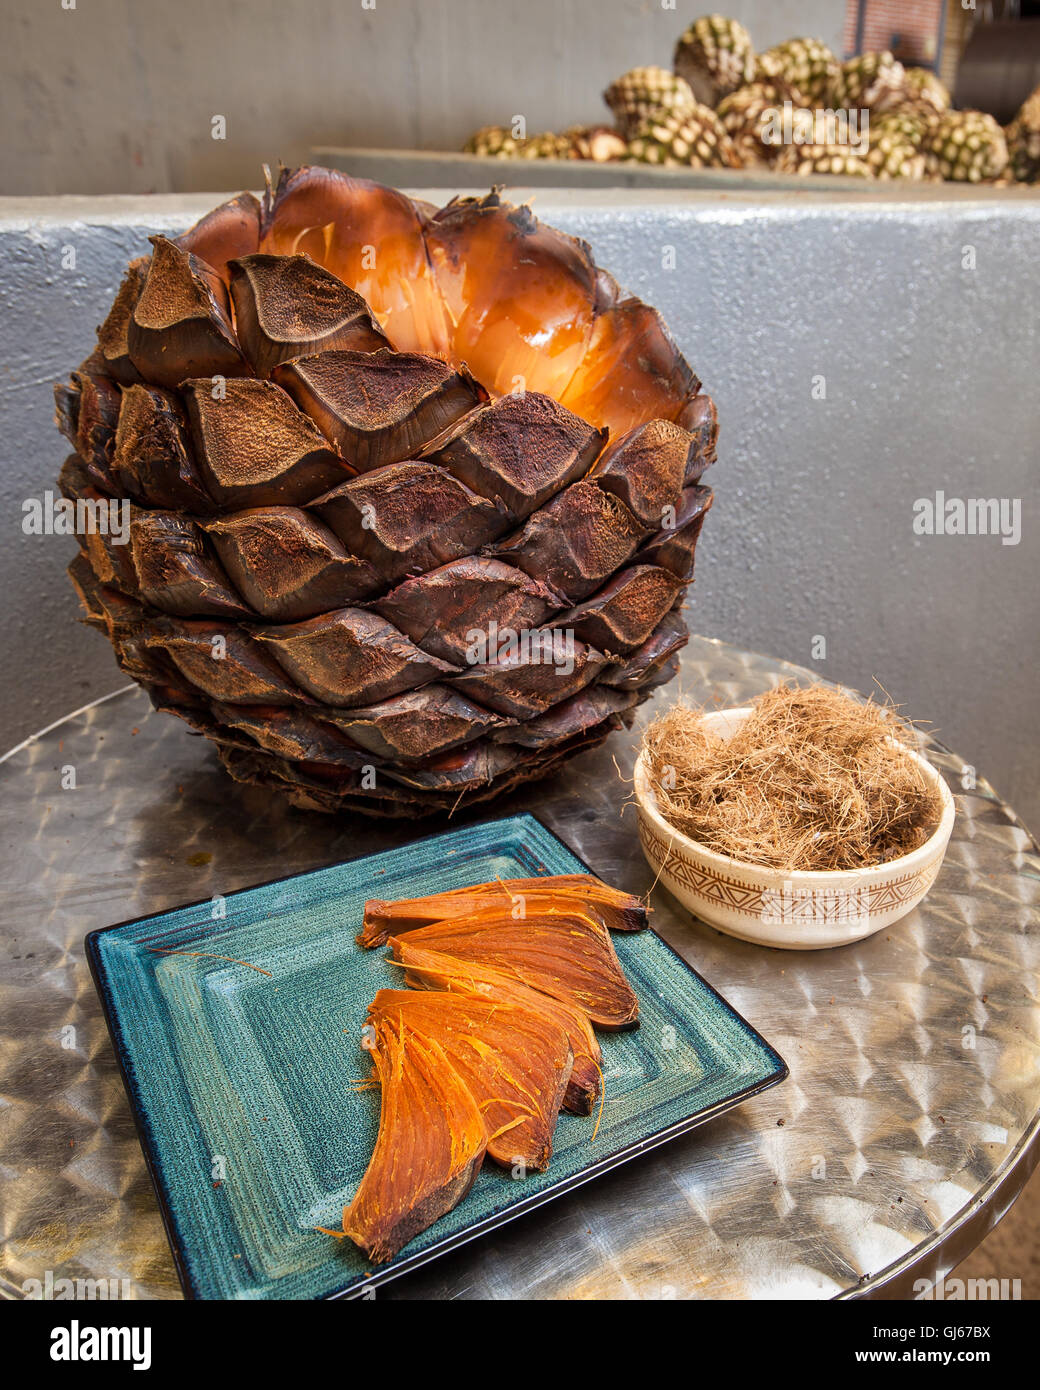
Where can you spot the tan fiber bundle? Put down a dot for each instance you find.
(811, 780)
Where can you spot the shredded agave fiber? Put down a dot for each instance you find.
(812, 780)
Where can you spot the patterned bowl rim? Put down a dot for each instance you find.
(934, 846)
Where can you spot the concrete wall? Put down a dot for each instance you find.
(930, 374)
(118, 96)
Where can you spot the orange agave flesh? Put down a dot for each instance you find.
(566, 955)
(426, 969)
(371, 238)
(521, 296)
(521, 897)
(515, 1063)
(431, 1143)
(482, 282)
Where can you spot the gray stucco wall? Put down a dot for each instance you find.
(116, 96)
(931, 374)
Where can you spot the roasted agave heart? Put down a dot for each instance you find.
(414, 492)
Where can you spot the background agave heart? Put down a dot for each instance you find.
(356, 432)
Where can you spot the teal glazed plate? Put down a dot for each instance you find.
(238, 1037)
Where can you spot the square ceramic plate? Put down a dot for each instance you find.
(238, 1061)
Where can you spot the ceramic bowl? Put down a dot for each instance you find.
(799, 910)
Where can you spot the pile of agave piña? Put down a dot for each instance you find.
(415, 492)
(720, 107)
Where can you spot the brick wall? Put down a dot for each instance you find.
(910, 28)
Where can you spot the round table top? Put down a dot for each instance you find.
(908, 1125)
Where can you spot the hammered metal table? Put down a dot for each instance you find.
(908, 1125)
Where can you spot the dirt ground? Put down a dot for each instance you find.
(1012, 1251)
